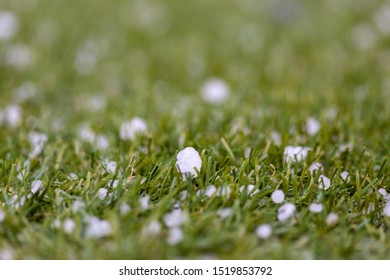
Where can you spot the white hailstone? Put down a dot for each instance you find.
(97, 228)
(312, 126)
(37, 141)
(225, 212)
(22, 174)
(324, 182)
(113, 184)
(286, 211)
(224, 191)
(102, 142)
(17, 202)
(8, 25)
(175, 218)
(176, 205)
(250, 189)
(37, 138)
(277, 196)
(144, 202)
(124, 209)
(2, 215)
(143, 180)
(383, 192)
(386, 210)
(345, 147)
(13, 115)
(86, 134)
(36, 186)
(102, 193)
(110, 166)
(56, 223)
(215, 91)
(364, 36)
(19, 56)
(315, 166)
(331, 219)
(316, 207)
(210, 190)
(130, 129)
(68, 225)
(175, 236)
(73, 175)
(293, 153)
(345, 176)
(153, 228)
(7, 254)
(183, 195)
(382, 19)
(188, 161)
(276, 138)
(247, 153)
(77, 205)
(264, 231)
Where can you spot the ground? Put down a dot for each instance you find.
(76, 183)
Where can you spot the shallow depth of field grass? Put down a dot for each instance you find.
(89, 66)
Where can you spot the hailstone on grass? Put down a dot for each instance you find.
(37, 141)
(386, 210)
(188, 162)
(324, 182)
(97, 228)
(225, 212)
(110, 166)
(36, 186)
(13, 115)
(383, 192)
(210, 190)
(345, 176)
(124, 209)
(175, 218)
(8, 25)
(286, 211)
(130, 129)
(277, 196)
(175, 236)
(102, 193)
(153, 228)
(69, 225)
(316, 207)
(331, 219)
(315, 166)
(249, 190)
(144, 202)
(312, 126)
(295, 153)
(264, 231)
(215, 91)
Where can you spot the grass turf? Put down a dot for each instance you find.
(283, 63)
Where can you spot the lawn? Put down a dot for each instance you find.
(286, 105)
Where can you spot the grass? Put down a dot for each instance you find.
(283, 63)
